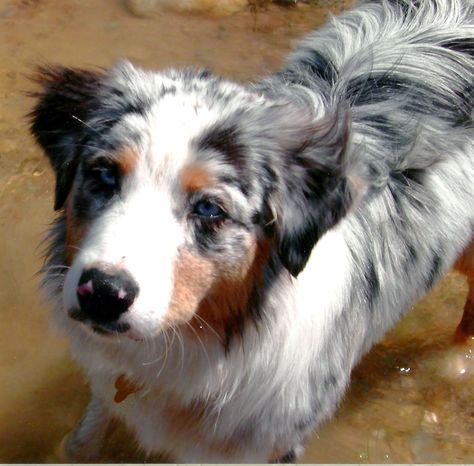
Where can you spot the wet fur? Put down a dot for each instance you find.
(350, 177)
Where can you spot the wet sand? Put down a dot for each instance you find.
(411, 398)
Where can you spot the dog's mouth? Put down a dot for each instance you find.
(100, 328)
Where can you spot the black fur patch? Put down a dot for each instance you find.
(462, 45)
(405, 187)
(318, 65)
(434, 271)
(288, 458)
(318, 194)
(465, 111)
(320, 211)
(408, 7)
(376, 88)
(412, 96)
(373, 283)
(66, 98)
(224, 139)
(314, 65)
(58, 122)
(392, 133)
(409, 177)
(412, 253)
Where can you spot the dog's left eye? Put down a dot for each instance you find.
(208, 210)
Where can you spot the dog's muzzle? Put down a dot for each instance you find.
(104, 295)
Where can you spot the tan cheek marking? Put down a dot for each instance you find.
(74, 231)
(213, 298)
(127, 160)
(195, 178)
(193, 276)
(226, 306)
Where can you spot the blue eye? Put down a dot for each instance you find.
(107, 176)
(208, 210)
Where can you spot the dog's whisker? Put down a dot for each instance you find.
(55, 275)
(85, 124)
(181, 345)
(203, 346)
(209, 326)
(165, 359)
(74, 247)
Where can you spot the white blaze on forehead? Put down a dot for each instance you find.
(165, 131)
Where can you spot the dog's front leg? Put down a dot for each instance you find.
(85, 442)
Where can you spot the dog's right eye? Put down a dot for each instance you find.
(107, 176)
(104, 175)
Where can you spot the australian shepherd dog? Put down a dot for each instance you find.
(224, 254)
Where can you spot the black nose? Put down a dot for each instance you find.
(105, 295)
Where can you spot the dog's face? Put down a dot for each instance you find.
(180, 192)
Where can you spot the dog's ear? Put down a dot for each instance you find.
(316, 191)
(65, 100)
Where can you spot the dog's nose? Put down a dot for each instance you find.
(105, 295)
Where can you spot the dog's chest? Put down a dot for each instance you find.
(161, 419)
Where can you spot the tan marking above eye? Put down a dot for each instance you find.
(126, 159)
(195, 178)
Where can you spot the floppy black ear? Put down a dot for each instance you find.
(316, 191)
(57, 121)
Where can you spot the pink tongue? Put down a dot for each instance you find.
(85, 288)
(122, 293)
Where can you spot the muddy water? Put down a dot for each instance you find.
(411, 399)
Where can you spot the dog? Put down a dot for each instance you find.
(223, 254)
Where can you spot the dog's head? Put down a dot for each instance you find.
(179, 190)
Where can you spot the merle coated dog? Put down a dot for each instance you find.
(224, 255)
